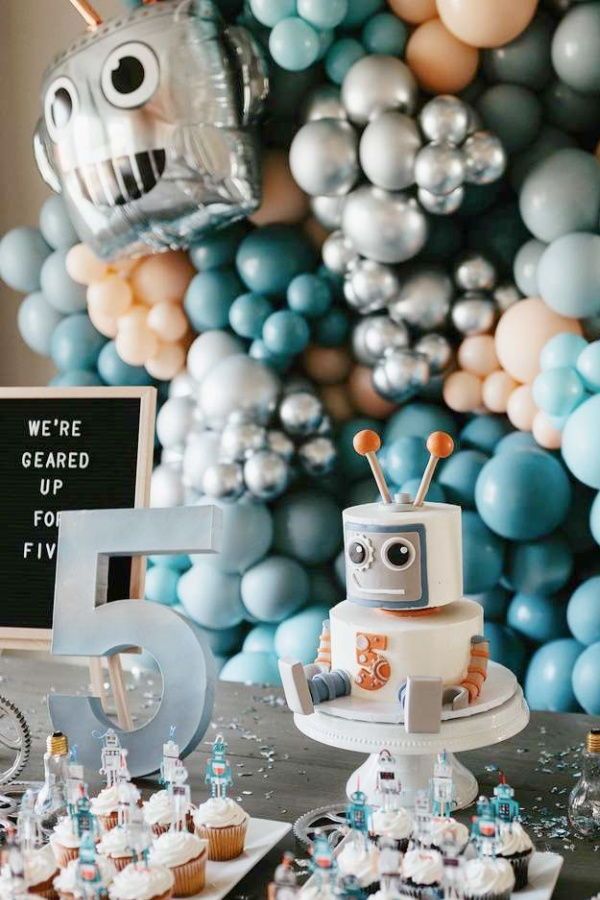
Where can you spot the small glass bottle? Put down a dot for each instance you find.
(52, 801)
(584, 802)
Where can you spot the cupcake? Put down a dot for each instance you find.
(140, 882)
(444, 831)
(158, 813)
(65, 884)
(65, 841)
(361, 860)
(40, 871)
(422, 871)
(487, 878)
(223, 823)
(106, 806)
(516, 847)
(185, 855)
(114, 846)
(395, 824)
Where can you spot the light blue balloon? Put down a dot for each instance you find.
(260, 640)
(485, 433)
(271, 256)
(161, 585)
(435, 494)
(568, 109)
(586, 679)
(209, 297)
(495, 603)
(562, 350)
(569, 275)
(323, 15)
(274, 589)
(75, 343)
(385, 33)
(270, 12)
(37, 320)
(117, 373)
(405, 457)
(77, 378)
(513, 113)
(307, 527)
(23, 252)
(483, 555)
(309, 295)
(517, 440)
(459, 475)
(294, 44)
(523, 495)
(285, 333)
(359, 11)
(538, 618)
(248, 313)
(583, 612)
(548, 680)
(178, 562)
(576, 48)
(539, 567)
(526, 265)
(298, 637)
(595, 519)
(332, 329)
(419, 419)
(341, 56)
(55, 224)
(588, 366)
(506, 647)
(58, 287)
(252, 668)
(224, 641)
(246, 535)
(581, 440)
(558, 391)
(211, 598)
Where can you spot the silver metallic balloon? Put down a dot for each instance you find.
(239, 440)
(475, 120)
(441, 204)
(474, 313)
(401, 375)
(485, 158)
(328, 210)
(338, 253)
(439, 168)
(475, 272)
(324, 103)
(388, 149)
(238, 384)
(374, 285)
(384, 226)
(438, 350)
(301, 413)
(317, 455)
(377, 84)
(505, 295)
(424, 299)
(223, 481)
(280, 443)
(145, 128)
(266, 475)
(324, 157)
(445, 118)
(375, 336)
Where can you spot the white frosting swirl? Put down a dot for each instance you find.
(423, 866)
(393, 823)
(64, 833)
(361, 861)
(115, 843)
(106, 802)
(219, 812)
(440, 826)
(141, 883)
(174, 848)
(514, 840)
(487, 875)
(66, 881)
(158, 810)
(39, 865)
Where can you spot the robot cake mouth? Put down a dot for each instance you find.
(400, 592)
(115, 182)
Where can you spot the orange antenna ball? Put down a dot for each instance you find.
(367, 443)
(440, 446)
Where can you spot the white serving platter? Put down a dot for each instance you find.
(544, 870)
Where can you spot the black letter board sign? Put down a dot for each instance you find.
(64, 448)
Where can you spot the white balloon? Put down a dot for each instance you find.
(183, 385)
(166, 487)
(202, 450)
(174, 421)
(209, 349)
(239, 385)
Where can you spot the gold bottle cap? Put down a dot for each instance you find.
(592, 741)
(57, 744)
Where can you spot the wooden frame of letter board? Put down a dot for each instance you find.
(40, 638)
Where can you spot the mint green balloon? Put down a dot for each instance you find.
(570, 110)
(569, 275)
(576, 48)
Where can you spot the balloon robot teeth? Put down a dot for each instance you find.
(115, 182)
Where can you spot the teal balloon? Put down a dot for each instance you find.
(36, 321)
(548, 142)
(323, 590)
(178, 562)
(323, 15)
(77, 378)
(285, 333)
(309, 295)
(494, 602)
(419, 419)
(578, 533)
(307, 527)
(569, 275)
(298, 637)
(246, 535)
(499, 233)
(525, 60)
(274, 589)
(485, 433)
(405, 457)
(332, 329)
(352, 465)
(209, 297)
(513, 113)
(161, 585)
(117, 373)
(294, 44)
(459, 475)
(359, 11)
(248, 313)
(259, 350)
(506, 647)
(538, 618)
(252, 668)
(75, 343)
(570, 110)
(588, 366)
(583, 612)
(23, 252)
(561, 195)
(435, 494)
(558, 391)
(483, 554)
(526, 265)
(576, 48)
(385, 33)
(261, 639)
(562, 350)
(59, 289)
(586, 679)
(270, 257)
(523, 495)
(55, 224)
(539, 567)
(517, 440)
(341, 56)
(224, 641)
(363, 491)
(445, 236)
(548, 680)
(210, 597)
(270, 12)
(219, 248)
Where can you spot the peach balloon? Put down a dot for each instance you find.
(477, 354)
(496, 390)
(337, 402)
(545, 433)
(327, 365)
(167, 362)
(522, 332)
(168, 321)
(135, 319)
(521, 408)
(413, 11)
(135, 346)
(439, 61)
(125, 267)
(106, 325)
(83, 265)
(282, 199)
(486, 23)
(462, 392)
(110, 297)
(364, 396)
(163, 277)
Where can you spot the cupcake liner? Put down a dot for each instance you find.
(166, 896)
(45, 888)
(63, 855)
(120, 862)
(421, 890)
(158, 828)
(190, 877)
(503, 896)
(224, 843)
(109, 821)
(520, 866)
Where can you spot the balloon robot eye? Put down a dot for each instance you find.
(357, 553)
(60, 105)
(398, 554)
(130, 75)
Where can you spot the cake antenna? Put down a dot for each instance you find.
(367, 443)
(440, 446)
(87, 12)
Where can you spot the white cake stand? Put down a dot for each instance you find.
(498, 716)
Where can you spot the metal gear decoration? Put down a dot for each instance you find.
(15, 737)
(327, 820)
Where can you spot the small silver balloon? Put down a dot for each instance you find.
(374, 285)
(328, 210)
(281, 444)
(445, 118)
(474, 272)
(338, 253)
(325, 103)
(266, 475)
(375, 336)
(324, 157)
(401, 375)
(388, 150)
(438, 350)
(377, 84)
(301, 413)
(384, 226)
(505, 295)
(424, 299)
(475, 120)
(317, 455)
(485, 158)
(474, 313)
(442, 204)
(240, 440)
(223, 481)
(439, 168)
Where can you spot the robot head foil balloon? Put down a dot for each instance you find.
(146, 127)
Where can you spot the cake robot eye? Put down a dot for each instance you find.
(60, 104)
(130, 75)
(360, 553)
(398, 554)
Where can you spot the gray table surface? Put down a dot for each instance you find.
(281, 774)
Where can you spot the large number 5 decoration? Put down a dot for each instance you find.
(86, 625)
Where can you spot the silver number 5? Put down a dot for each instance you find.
(86, 625)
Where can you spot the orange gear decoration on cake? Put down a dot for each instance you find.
(477, 668)
(375, 669)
